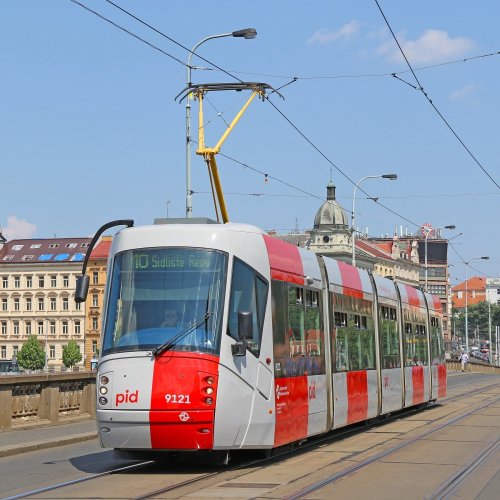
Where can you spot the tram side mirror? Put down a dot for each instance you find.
(245, 330)
(245, 325)
(82, 288)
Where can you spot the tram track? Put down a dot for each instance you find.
(232, 472)
(448, 486)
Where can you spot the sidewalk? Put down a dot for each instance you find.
(17, 441)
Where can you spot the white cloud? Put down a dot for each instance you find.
(465, 92)
(326, 36)
(432, 47)
(18, 228)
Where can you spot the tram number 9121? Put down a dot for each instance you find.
(177, 398)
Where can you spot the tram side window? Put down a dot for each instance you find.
(296, 321)
(437, 347)
(389, 341)
(410, 347)
(313, 324)
(248, 294)
(421, 342)
(341, 348)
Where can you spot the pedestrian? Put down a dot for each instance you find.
(464, 359)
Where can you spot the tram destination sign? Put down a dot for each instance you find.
(172, 259)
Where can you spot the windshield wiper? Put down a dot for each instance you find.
(189, 329)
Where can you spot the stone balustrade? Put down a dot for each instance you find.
(45, 399)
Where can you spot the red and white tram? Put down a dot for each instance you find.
(220, 337)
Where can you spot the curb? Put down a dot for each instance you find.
(15, 449)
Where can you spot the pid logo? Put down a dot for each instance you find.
(127, 397)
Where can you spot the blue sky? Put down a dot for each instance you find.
(90, 130)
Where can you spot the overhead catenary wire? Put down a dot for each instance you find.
(429, 100)
(267, 176)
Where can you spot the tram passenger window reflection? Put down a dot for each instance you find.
(170, 318)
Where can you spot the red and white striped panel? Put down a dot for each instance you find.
(411, 296)
(434, 303)
(439, 374)
(386, 291)
(392, 390)
(355, 397)
(417, 385)
(348, 280)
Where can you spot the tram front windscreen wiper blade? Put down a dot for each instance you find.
(186, 331)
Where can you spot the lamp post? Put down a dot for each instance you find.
(427, 229)
(248, 34)
(467, 301)
(391, 177)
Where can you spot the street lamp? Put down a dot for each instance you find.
(467, 301)
(248, 34)
(427, 230)
(391, 177)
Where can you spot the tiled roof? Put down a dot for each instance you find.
(372, 249)
(475, 283)
(46, 251)
(459, 303)
(101, 250)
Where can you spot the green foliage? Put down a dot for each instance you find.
(31, 356)
(477, 319)
(71, 354)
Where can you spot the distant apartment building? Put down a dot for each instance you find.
(96, 270)
(37, 285)
(474, 289)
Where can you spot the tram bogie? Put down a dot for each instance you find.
(271, 344)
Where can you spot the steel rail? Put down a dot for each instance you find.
(361, 465)
(446, 489)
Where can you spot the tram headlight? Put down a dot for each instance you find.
(103, 401)
(210, 380)
(103, 390)
(209, 401)
(104, 379)
(209, 390)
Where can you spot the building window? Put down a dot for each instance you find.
(52, 328)
(66, 281)
(65, 304)
(5, 282)
(78, 306)
(28, 327)
(16, 327)
(16, 304)
(3, 352)
(95, 278)
(15, 350)
(40, 328)
(29, 281)
(95, 323)
(4, 304)
(40, 304)
(41, 281)
(53, 303)
(94, 347)
(4, 327)
(95, 300)
(52, 352)
(65, 327)
(28, 304)
(53, 281)
(17, 282)
(53, 245)
(77, 328)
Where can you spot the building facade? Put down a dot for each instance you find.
(37, 284)
(96, 270)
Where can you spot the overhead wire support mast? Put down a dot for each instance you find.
(209, 153)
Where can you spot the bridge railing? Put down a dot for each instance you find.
(45, 399)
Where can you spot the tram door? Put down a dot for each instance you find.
(244, 415)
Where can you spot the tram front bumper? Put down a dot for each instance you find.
(156, 430)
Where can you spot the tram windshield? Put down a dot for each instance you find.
(159, 294)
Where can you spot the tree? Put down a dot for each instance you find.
(71, 354)
(31, 356)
